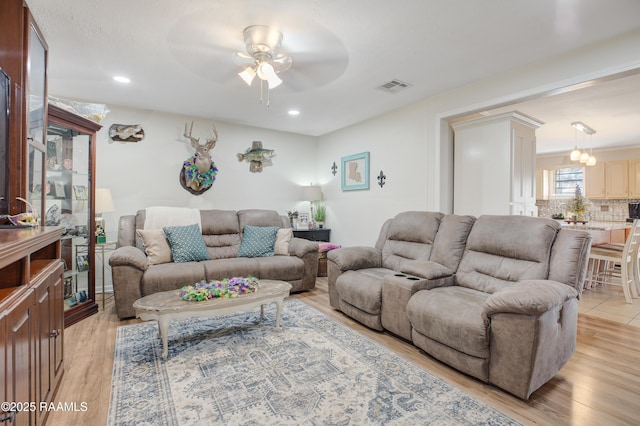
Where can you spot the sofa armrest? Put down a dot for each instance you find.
(299, 247)
(530, 297)
(129, 256)
(352, 258)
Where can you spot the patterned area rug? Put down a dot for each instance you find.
(315, 371)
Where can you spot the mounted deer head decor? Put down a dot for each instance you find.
(199, 172)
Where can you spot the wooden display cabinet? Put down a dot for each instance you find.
(31, 319)
(70, 201)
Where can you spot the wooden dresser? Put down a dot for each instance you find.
(31, 320)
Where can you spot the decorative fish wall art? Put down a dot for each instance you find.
(257, 157)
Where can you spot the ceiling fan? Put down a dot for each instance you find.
(265, 59)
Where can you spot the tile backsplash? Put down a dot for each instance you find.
(605, 210)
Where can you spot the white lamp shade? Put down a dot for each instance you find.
(311, 193)
(591, 161)
(266, 72)
(248, 74)
(104, 201)
(575, 154)
(584, 157)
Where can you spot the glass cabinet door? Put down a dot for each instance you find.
(69, 198)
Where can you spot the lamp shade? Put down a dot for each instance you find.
(311, 193)
(104, 201)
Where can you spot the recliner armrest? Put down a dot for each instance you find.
(353, 258)
(300, 247)
(530, 297)
(129, 256)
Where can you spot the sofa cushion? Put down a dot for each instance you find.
(410, 236)
(451, 240)
(452, 316)
(186, 243)
(283, 237)
(171, 276)
(258, 241)
(363, 288)
(496, 257)
(156, 246)
(287, 268)
(219, 269)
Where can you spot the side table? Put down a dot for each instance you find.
(318, 235)
(313, 234)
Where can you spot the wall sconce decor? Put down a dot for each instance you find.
(334, 168)
(381, 179)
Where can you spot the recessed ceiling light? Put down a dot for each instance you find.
(121, 79)
(294, 112)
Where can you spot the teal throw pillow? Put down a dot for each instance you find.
(186, 243)
(258, 241)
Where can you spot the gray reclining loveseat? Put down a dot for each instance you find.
(494, 297)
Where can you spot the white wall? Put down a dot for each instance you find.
(414, 147)
(145, 173)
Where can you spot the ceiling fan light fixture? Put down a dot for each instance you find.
(248, 74)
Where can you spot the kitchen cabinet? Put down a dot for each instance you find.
(595, 186)
(617, 179)
(495, 165)
(634, 178)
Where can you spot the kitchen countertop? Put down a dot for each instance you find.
(596, 225)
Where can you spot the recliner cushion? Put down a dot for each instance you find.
(452, 316)
(363, 288)
(496, 254)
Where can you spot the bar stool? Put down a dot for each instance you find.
(622, 264)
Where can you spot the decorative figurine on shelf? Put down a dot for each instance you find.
(101, 236)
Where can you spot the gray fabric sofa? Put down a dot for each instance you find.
(133, 276)
(495, 297)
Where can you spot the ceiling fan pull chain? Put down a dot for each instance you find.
(268, 97)
(261, 83)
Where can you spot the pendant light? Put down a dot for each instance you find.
(584, 157)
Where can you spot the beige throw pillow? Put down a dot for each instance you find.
(283, 237)
(156, 245)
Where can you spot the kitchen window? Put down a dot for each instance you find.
(566, 179)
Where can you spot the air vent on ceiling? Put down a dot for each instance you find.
(395, 86)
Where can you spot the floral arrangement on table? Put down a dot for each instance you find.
(226, 288)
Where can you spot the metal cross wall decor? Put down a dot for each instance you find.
(381, 179)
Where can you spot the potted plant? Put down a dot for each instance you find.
(319, 214)
(293, 216)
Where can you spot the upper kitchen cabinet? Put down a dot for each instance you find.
(495, 165)
(613, 180)
(617, 179)
(634, 178)
(595, 181)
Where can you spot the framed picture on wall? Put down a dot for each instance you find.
(355, 172)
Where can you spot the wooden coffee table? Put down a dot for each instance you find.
(167, 305)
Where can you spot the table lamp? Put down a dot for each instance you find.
(311, 193)
(104, 204)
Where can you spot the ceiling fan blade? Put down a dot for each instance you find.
(281, 63)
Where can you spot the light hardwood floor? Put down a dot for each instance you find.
(600, 385)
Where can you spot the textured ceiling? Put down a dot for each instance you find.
(179, 54)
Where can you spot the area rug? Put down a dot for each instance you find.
(237, 370)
